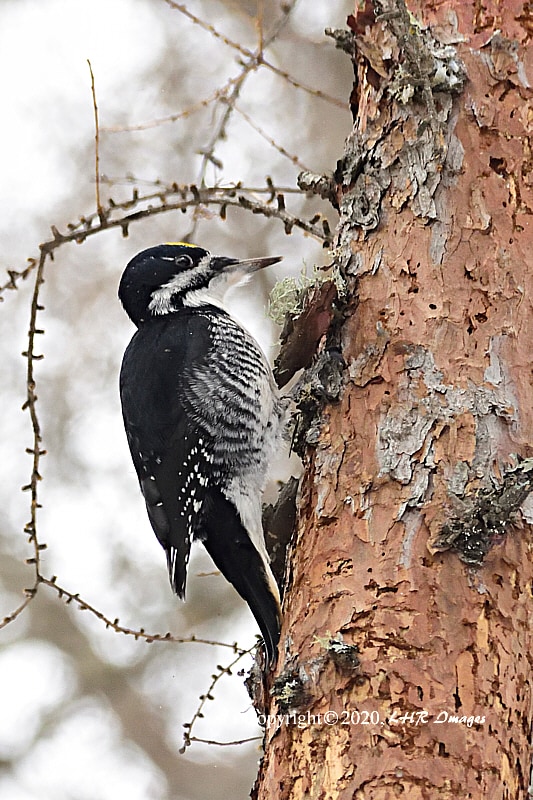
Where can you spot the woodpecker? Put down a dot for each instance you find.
(203, 418)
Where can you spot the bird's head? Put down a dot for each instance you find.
(167, 277)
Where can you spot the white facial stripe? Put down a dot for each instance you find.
(161, 302)
(215, 292)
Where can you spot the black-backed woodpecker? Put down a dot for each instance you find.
(203, 418)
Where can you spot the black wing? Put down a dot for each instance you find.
(232, 551)
(167, 449)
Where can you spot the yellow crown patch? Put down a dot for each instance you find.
(182, 244)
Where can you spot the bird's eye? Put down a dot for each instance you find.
(184, 261)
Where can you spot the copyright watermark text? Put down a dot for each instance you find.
(372, 718)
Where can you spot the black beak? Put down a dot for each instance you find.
(245, 266)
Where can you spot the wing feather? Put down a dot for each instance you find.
(165, 445)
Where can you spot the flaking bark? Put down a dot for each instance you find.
(433, 696)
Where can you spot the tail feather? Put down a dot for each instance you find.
(230, 547)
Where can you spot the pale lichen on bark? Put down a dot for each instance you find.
(402, 141)
(406, 452)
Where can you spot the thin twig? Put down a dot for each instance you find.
(96, 142)
(219, 132)
(231, 89)
(30, 593)
(272, 142)
(299, 85)
(154, 123)
(140, 633)
(207, 27)
(163, 201)
(36, 450)
(259, 20)
(220, 94)
(198, 714)
(249, 54)
(226, 744)
(253, 59)
(135, 180)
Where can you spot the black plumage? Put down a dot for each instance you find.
(202, 418)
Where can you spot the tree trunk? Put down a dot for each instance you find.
(408, 604)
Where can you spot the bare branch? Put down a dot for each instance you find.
(169, 198)
(143, 126)
(270, 140)
(208, 27)
(226, 744)
(299, 85)
(96, 142)
(198, 714)
(30, 593)
(140, 633)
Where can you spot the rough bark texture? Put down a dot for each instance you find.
(409, 597)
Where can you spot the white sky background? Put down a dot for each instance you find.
(66, 739)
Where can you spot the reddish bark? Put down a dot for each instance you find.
(438, 400)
